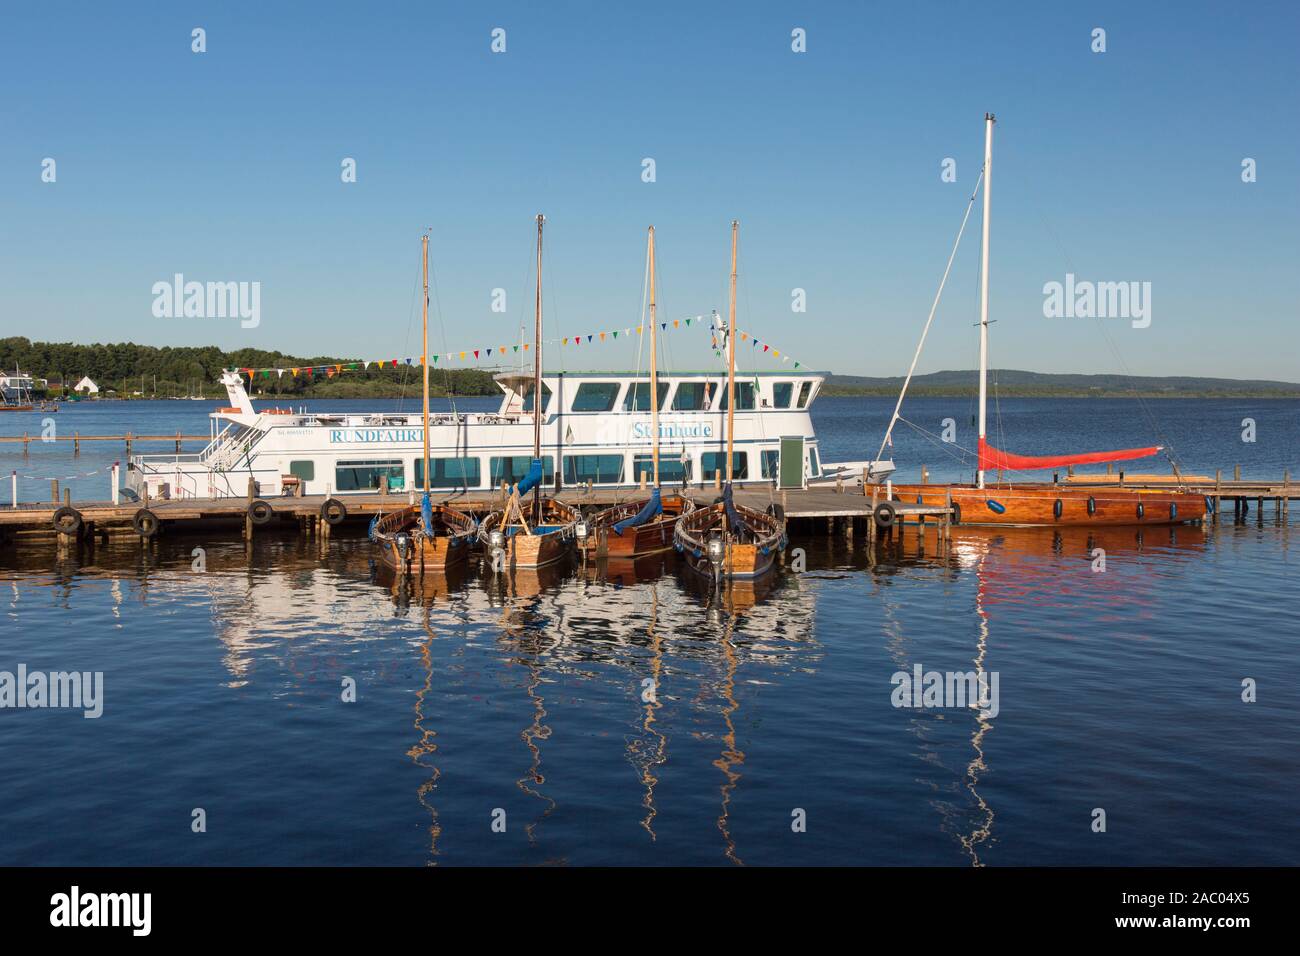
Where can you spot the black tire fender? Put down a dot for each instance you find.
(333, 511)
(260, 512)
(67, 520)
(885, 515)
(145, 523)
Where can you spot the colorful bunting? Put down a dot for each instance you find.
(717, 343)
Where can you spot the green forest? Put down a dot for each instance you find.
(143, 371)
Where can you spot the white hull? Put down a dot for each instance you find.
(591, 433)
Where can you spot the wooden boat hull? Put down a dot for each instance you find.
(1055, 506)
(527, 547)
(649, 538)
(746, 559)
(448, 547)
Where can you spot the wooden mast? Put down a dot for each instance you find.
(537, 372)
(424, 358)
(654, 367)
(731, 351)
(984, 295)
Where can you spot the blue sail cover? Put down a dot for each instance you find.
(733, 516)
(532, 479)
(652, 507)
(426, 514)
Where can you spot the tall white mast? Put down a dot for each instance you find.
(731, 353)
(984, 292)
(654, 367)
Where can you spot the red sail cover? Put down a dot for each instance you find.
(994, 459)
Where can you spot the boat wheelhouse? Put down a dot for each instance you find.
(596, 430)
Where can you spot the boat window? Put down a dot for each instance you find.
(528, 396)
(638, 397)
(448, 473)
(715, 462)
(744, 397)
(305, 470)
(771, 459)
(598, 469)
(804, 391)
(596, 396)
(691, 396)
(782, 392)
(671, 468)
(814, 464)
(368, 475)
(513, 469)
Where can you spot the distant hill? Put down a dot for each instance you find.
(1018, 383)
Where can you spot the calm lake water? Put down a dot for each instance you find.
(522, 698)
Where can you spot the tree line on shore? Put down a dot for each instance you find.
(146, 371)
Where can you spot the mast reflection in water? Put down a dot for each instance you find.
(603, 713)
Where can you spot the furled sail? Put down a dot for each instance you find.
(532, 479)
(734, 521)
(426, 514)
(652, 508)
(994, 459)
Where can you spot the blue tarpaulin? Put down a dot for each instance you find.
(532, 479)
(426, 514)
(733, 516)
(652, 507)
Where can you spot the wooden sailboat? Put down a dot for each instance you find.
(643, 525)
(728, 539)
(1038, 503)
(543, 530)
(426, 537)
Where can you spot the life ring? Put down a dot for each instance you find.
(259, 512)
(1057, 507)
(67, 520)
(885, 515)
(333, 511)
(145, 523)
(1092, 506)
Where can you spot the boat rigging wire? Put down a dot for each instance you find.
(934, 308)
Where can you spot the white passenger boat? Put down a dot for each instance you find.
(596, 429)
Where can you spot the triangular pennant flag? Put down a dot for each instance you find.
(616, 334)
(764, 348)
(366, 368)
(688, 323)
(663, 325)
(564, 341)
(796, 364)
(676, 324)
(588, 336)
(294, 371)
(476, 353)
(435, 358)
(744, 336)
(279, 373)
(489, 351)
(516, 348)
(775, 353)
(602, 336)
(526, 346)
(462, 356)
(638, 330)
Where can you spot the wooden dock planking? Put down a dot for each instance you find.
(33, 518)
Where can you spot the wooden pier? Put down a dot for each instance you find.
(128, 440)
(845, 512)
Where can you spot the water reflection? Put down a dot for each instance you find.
(647, 652)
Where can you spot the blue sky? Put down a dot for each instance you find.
(225, 166)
